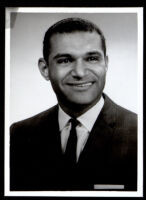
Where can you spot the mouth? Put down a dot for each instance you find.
(81, 85)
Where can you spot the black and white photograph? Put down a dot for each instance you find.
(73, 122)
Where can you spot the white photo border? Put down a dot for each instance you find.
(139, 192)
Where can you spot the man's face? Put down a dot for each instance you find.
(77, 67)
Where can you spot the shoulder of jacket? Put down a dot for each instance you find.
(118, 111)
(34, 120)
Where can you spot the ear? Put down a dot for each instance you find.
(43, 67)
(106, 62)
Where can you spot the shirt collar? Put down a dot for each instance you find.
(87, 119)
(63, 118)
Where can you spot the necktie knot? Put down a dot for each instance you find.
(74, 123)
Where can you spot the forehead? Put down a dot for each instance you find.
(76, 42)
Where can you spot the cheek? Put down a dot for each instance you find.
(58, 74)
(99, 72)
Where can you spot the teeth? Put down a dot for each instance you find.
(83, 85)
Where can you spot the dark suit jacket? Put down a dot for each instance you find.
(109, 156)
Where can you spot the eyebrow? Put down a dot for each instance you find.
(61, 55)
(94, 53)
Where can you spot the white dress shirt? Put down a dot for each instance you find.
(86, 120)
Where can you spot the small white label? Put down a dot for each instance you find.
(108, 187)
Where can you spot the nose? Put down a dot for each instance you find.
(79, 69)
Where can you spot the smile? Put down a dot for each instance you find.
(80, 85)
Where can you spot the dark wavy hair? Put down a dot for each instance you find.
(70, 25)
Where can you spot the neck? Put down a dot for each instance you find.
(75, 110)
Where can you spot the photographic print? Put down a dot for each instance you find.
(74, 89)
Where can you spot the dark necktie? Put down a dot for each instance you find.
(70, 153)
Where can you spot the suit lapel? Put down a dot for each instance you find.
(99, 141)
(52, 134)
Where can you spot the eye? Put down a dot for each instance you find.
(64, 60)
(92, 59)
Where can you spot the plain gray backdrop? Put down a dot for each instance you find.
(31, 94)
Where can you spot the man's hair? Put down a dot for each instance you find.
(70, 25)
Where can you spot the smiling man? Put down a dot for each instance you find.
(86, 142)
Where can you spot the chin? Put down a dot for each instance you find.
(78, 101)
(84, 99)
